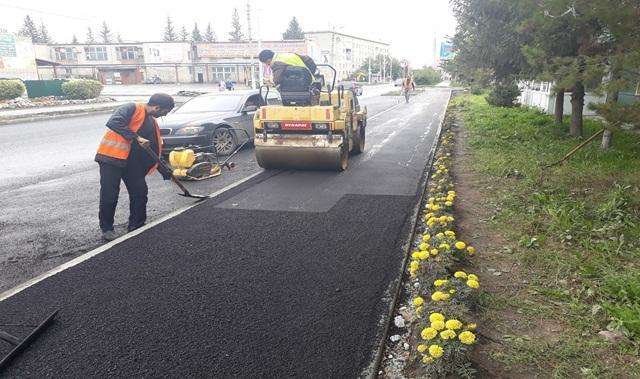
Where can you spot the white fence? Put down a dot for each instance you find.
(539, 95)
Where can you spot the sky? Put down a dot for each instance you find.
(409, 25)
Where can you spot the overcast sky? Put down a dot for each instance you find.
(409, 26)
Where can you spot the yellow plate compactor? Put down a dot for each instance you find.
(313, 129)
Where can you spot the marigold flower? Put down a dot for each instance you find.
(453, 324)
(440, 282)
(436, 351)
(423, 246)
(415, 255)
(434, 252)
(422, 348)
(426, 237)
(423, 255)
(473, 284)
(450, 233)
(472, 277)
(414, 265)
(418, 301)
(444, 246)
(427, 360)
(438, 325)
(460, 245)
(467, 337)
(436, 317)
(471, 250)
(428, 333)
(449, 203)
(471, 326)
(447, 334)
(440, 235)
(460, 275)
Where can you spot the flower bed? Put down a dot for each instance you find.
(49, 101)
(437, 321)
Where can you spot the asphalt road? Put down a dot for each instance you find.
(286, 275)
(49, 192)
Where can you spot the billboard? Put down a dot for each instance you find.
(446, 51)
(7, 45)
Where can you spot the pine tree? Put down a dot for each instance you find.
(184, 35)
(294, 31)
(105, 33)
(90, 38)
(169, 32)
(44, 34)
(29, 30)
(236, 28)
(209, 34)
(195, 34)
(74, 40)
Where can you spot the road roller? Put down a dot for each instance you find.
(315, 128)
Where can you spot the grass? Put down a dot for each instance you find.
(575, 229)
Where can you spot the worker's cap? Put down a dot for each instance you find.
(265, 55)
(162, 100)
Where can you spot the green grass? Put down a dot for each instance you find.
(575, 227)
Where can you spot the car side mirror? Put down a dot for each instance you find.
(249, 108)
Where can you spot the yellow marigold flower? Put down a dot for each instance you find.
(450, 198)
(443, 219)
(428, 215)
(450, 233)
(448, 334)
(444, 246)
(449, 203)
(453, 324)
(418, 301)
(436, 208)
(471, 326)
(414, 265)
(437, 325)
(445, 296)
(440, 282)
(460, 245)
(415, 255)
(424, 246)
(433, 220)
(440, 235)
(467, 337)
(460, 275)
(450, 219)
(437, 296)
(436, 351)
(428, 333)
(426, 237)
(423, 255)
(432, 200)
(452, 193)
(473, 284)
(427, 360)
(434, 252)
(471, 250)
(436, 317)
(472, 277)
(422, 348)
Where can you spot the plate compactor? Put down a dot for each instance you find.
(313, 129)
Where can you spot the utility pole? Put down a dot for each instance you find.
(249, 21)
(369, 67)
(260, 65)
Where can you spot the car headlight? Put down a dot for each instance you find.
(321, 126)
(189, 131)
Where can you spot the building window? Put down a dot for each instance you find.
(347, 52)
(65, 54)
(130, 53)
(224, 73)
(98, 53)
(154, 52)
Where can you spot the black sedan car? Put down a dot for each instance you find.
(209, 121)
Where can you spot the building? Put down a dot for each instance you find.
(346, 53)
(181, 62)
(17, 57)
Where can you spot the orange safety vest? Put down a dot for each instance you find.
(115, 146)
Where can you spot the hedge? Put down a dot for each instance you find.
(82, 89)
(10, 89)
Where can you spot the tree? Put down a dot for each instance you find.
(195, 34)
(183, 35)
(29, 30)
(293, 31)
(391, 66)
(105, 33)
(169, 32)
(74, 40)
(44, 34)
(90, 38)
(209, 34)
(236, 28)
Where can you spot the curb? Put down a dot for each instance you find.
(56, 115)
(406, 247)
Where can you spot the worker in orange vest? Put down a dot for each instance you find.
(122, 158)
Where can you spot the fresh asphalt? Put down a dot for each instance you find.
(286, 275)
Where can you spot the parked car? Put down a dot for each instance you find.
(209, 121)
(397, 83)
(352, 85)
(155, 79)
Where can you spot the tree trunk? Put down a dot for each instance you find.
(577, 107)
(607, 136)
(612, 98)
(559, 108)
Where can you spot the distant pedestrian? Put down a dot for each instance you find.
(122, 158)
(222, 85)
(407, 85)
(230, 84)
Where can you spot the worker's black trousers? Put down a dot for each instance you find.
(133, 177)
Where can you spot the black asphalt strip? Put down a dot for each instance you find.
(224, 293)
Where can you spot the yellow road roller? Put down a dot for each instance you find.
(313, 128)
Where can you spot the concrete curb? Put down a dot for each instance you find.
(57, 114)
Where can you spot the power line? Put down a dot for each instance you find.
(44, 12)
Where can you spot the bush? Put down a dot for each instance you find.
(504, 95)
(10, 89)
(426, 77)
(82, 89)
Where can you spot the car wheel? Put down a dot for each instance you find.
(223, 141)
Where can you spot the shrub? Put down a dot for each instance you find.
(427, 77)
(82, 89)
(504, 94)
(10, 89)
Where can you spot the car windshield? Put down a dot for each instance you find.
(223, 103)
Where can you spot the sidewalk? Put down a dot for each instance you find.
(35, 114)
